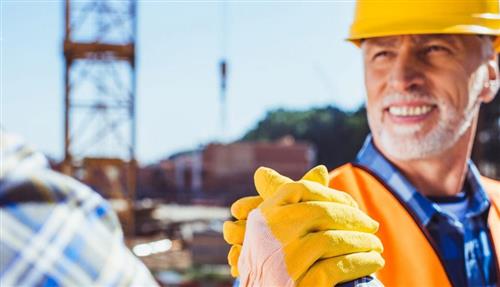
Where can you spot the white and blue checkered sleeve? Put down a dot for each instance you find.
(55, 231)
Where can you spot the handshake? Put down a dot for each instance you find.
(300, 233)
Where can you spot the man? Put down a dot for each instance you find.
(429, 65)
(55, 231)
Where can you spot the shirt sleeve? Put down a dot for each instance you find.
(56, 231)
(367, 281)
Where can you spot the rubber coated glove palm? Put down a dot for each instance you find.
(234, 231)
(306, 234)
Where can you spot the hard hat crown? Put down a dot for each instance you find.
(378, 18)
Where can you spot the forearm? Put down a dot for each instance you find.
(368, 281)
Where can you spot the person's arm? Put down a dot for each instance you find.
(56, 231)
(362, 282)
(301, 234)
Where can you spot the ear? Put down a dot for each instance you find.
(492, 85)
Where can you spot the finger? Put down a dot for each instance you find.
(329, 272)
(268, 180)
(234, 231)
(294, 221)
(242, 207)
(318, 174)
(327, 244)
(232, 259)
(302, 191)
(234, 271)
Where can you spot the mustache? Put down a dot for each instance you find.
(396, 97)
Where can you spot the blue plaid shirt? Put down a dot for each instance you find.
(55, 231)
(465, 247)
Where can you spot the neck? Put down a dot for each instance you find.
(443, 174)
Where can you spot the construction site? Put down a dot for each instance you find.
(172, 209)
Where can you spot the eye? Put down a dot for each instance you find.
(381, 55)
(436, 49)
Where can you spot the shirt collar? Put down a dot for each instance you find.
(422, 208)
(480, 201)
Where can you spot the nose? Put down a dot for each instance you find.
(406, 74)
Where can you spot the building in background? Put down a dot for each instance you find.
(220, 173)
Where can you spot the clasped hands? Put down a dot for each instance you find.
(300, 233)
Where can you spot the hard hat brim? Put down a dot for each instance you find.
(481, 24)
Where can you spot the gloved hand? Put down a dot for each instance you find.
(305, 234)
(234, 231)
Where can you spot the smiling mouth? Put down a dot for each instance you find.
(410, 111)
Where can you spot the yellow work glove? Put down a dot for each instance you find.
(306, 234)
(234, 231)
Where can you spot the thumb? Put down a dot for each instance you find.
(268, 180)
(318, 174)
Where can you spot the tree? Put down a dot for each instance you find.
(486, 151)
(336, 134)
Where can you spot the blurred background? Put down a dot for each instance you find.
(166, 108)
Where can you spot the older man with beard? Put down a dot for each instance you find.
(429, 65)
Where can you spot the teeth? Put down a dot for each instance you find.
(405, 111)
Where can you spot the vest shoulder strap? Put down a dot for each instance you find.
(410, 258)
(492, 188)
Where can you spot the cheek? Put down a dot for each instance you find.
(375, 86)
(477, 82)
(376, 79)
(374, 110)
(449, 87)
(462, 85)
(459, 92)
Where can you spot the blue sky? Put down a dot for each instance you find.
(281, 54)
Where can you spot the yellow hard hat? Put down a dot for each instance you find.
(377, 18)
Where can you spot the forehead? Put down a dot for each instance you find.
(391, 41)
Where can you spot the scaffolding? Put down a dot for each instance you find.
(99, 97)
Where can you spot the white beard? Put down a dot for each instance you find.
(408, 142)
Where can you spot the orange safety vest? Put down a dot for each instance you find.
(410, 258)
